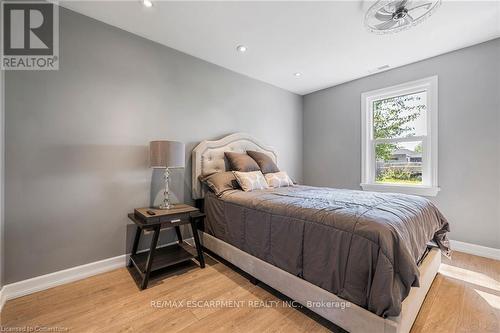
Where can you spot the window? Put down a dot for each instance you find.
(399, 143)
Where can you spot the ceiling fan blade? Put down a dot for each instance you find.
(383, 17)
(386, 25)
(428, 5)
(406, 21)
(410, 18)
(385, 11)
(398, 3)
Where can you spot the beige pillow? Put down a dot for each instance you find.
(250, 181)
(278, 179)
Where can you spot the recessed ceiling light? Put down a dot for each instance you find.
(241, 48)
(147, 3)
(298, 74)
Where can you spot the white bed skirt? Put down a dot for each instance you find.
(352, 318)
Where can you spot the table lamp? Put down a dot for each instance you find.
(166, 155)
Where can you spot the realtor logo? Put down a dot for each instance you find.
(30, 35)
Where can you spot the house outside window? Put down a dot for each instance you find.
(399, 138)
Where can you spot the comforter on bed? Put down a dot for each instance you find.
(361, 246)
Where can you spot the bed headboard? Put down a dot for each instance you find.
(208, 157)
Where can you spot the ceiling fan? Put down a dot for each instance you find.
(389, 16)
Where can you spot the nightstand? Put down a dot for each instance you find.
(158, 258)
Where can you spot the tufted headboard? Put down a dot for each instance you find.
(208, 157)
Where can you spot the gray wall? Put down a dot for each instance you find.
(76, 139)
(469, 136)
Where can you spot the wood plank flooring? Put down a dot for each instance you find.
(464, 297)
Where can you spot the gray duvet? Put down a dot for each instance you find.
(361, 246)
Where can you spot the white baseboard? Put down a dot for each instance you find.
(3, 299)
(478, 250)
(39, 283)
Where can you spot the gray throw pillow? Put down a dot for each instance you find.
(220, 182)
(241, 162)
(265, 162)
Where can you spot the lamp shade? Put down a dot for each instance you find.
(166, 154)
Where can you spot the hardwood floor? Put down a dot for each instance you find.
(464, 297)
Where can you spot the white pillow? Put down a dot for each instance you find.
(249, 181)
(278, 179)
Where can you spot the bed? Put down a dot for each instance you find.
(359, 259)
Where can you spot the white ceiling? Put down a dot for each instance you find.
(325, 41)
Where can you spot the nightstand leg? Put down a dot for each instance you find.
(179, 235)
(137, 237)
(149, 263)
(197, 243)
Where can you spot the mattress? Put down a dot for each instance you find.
(361, 246)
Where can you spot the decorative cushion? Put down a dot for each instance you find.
(265, 162)
(278, 179)
(250, 181)
(220, 182)
(241, 162)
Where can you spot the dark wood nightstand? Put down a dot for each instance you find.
(157, 258)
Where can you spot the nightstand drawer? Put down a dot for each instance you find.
(172, 218)
(175, 222)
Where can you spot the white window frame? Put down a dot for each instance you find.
(429, 186)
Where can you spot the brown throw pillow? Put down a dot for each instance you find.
(265, 162)
(220, 182)
(250, 181)
(241, 162)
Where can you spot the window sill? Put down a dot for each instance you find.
(427, 191)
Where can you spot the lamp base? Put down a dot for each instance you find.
(166, 206)
(166, 195)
